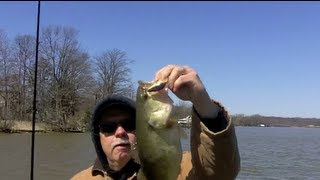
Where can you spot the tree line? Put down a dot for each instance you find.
(69, 81)
(271, 121)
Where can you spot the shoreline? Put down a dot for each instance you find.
(26, 127)
(20, 131)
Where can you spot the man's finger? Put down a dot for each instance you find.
(163, 72)
(175, 74)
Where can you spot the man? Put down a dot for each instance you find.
(214, 150)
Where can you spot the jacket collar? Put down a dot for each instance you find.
(128, 171)
(97, 167)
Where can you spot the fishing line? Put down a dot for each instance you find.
(35, 93)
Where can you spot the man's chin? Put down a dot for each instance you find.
(122, 152)
(124, 156)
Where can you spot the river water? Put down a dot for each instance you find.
(266, 153)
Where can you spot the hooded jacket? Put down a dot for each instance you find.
(214, 151)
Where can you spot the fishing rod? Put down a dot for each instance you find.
(35, 94)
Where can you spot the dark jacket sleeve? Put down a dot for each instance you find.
(214, 147)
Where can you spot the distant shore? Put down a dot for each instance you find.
(26, 126)
(309, 126)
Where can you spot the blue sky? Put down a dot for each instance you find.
(254, 57)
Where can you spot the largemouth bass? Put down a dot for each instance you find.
(159, 146)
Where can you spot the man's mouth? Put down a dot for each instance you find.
(122, 145)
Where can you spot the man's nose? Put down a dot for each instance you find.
(120, 132)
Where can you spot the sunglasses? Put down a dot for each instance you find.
(111, 127)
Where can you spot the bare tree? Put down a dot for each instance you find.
(68, 72)
(66, 88)
(24, 53)
(113, 73)
(5, 75)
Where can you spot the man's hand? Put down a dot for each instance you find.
(185, 83)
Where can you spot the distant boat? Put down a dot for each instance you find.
(262, 125)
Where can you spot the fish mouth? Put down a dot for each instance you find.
(157, 86)
(153, 86)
